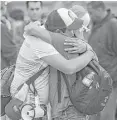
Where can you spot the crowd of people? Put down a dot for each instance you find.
(29, 48)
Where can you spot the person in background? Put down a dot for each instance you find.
(8, 48)
(17, 18)
(103, 40)
(34, 9)
(43, 18)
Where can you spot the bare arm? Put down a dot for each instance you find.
(58, 61)
(77, 45)
(37, 31)
(69, 66)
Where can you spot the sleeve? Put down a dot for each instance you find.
(8, 47)
(114, 36)
(43, 49)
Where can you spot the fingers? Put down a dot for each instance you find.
(71, 49)
(72, 40)
(73, 52)
(72, 44)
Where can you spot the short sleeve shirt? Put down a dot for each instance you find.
(29, 62)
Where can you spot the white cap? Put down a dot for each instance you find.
(63, 18)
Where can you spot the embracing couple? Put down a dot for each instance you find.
(38, 53)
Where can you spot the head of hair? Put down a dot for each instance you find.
(54, 22)
(55, 30)
(97, 4)
(27, 3)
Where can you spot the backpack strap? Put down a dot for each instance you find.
(32, 79)
(59, 86)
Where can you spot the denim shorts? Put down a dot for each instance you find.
(71, 114)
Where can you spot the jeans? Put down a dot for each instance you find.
(71, 114)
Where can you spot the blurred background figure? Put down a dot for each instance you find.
(34, 9)
(8, 49)
(103, 39)
(4, 15)
(16, 17)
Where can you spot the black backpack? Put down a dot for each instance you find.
(91, 90)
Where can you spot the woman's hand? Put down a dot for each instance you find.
(77, 46)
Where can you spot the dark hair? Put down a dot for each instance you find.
(97, 4)
(54, 30)
(27, 3)
(54, 22)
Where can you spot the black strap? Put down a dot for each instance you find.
(59, 86)
(66, 82)
(32, 79)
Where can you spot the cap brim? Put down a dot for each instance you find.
(76, 24)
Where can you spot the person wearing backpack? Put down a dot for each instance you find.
(103, 39)
(64, 109)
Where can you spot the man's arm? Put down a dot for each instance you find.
(51, 56)
(8, 47)
(69, 66)
(77, 46)
(37, 31)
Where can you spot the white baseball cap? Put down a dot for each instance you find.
(63, 18)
